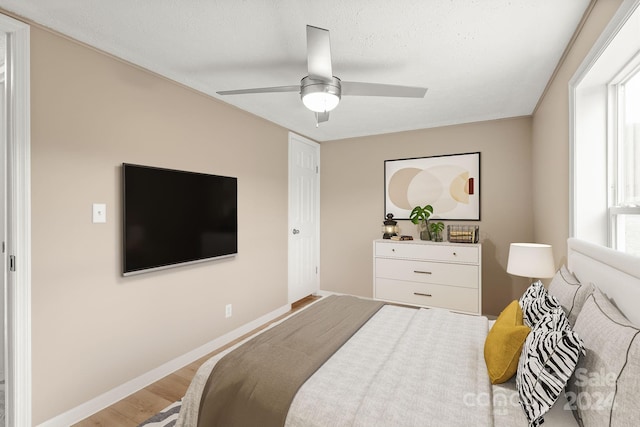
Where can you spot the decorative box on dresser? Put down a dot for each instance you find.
(429, 274)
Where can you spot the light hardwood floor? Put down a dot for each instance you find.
(143, 404)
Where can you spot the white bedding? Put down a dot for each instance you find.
(405, 367)
(507, 411)
(391, 372)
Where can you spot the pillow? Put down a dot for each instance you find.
(504, 343)
(570, 293)
(554, 320)
(536, 302)
(548, 359)
(605, 387)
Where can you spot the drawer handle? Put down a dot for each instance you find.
(455, 254)
(421, 294)
(421, 272)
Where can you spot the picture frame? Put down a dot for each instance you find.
(450, 183)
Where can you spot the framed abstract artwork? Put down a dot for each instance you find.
(450, 183)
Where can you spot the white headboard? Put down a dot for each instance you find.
(615, 273)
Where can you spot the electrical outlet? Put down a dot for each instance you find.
(228, 310)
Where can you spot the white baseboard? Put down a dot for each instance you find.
(107, 399)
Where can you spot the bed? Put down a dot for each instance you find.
(403, 366)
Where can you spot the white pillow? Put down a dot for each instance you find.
(571, 294)
(605, 387)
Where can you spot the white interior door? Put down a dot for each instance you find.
(17, 222)
(304, 217)
(3, 272)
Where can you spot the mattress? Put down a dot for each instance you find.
(410, 367)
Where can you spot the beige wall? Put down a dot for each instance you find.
(550, 139)
(352, 200)
(93, 329)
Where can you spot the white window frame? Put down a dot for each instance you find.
(617, 206)
(591, 129)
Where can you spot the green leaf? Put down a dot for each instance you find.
(420, 213)
(415, 214)
(436, 227)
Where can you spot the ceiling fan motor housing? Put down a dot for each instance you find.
(320, 95)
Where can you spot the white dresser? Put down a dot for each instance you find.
(429, 274)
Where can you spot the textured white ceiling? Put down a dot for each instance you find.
(480, 59)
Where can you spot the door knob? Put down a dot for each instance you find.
(295, 231)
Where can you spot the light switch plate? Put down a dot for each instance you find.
(99, 213)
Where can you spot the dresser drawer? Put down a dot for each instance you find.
(424, 294)
(463, 275)
(435, 252)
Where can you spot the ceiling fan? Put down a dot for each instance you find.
(321, 90)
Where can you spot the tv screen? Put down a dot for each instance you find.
(175, 217)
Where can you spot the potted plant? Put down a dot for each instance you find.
(436, 229)
(420, 216)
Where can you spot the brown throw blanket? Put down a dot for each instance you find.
(255, 384)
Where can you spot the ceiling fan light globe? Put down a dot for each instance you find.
(320, 102)
(320, 96)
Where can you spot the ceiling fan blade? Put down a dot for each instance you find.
(377, 89)
(319, 54)
(295, 88)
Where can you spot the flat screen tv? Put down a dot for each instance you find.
(175, 217)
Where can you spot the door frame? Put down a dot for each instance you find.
(18, 224)
(295, 138)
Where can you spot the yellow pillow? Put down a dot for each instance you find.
(504, 343)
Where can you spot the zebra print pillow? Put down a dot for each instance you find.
(536, 302)
(549, 357)
(554, 320)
